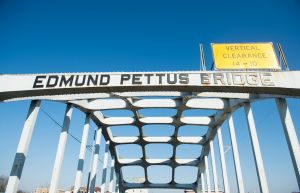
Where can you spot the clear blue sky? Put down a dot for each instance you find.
(98, 36)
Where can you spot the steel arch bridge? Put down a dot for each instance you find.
(222, 91)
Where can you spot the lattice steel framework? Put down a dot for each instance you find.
(135, 104)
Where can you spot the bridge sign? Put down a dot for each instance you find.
(243, 56)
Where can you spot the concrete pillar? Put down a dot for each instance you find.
(290, 135)
(263, 185)
(236, 158)
(223, 163)
(104, 171)
(61, 149)
(82, 152)
(95, 159)
(20, 157)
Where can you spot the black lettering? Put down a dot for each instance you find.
(238, 79)
(124, 77)
(105, 79)
(183, 78)
(160, 78)
(228, 78)
(169, 81)
(92, 79)
(252, 79)
(50, 83)
(77, 83)
(136, 79)
(267, 79)
(219, 77)
(66, 81)
(148, 77)
(37, 82)
(205, 79)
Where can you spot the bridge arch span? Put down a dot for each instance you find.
(221, 92)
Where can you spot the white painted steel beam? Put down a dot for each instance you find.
(22, 149)
(18, 87)
(105, 167)
(290, 135)
(150, 185)
(91, 161)
(223, 162)
(214, 167)
(202, 183)
(129, 161)
(196, 140)
(84, 139)
(114, 181)
(101, 104)
(157, 139)
(157, 103)
(95, 160)
(111, 180)
(206, 103)
(207, 174)
(157, 120)
(186, 161)
(117, 182)
(236, 157)
(263, 185)
(60, 149)
(197, 120)
(124, 139)
(118, 121)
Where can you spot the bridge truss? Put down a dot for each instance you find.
(222, 92)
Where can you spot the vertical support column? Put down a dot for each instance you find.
(213, 163)
(91, 161)
(112, 168)
(95, 159)
(199, 182)
(107, 175)
(117, 182)
(237, 165)
(263, 185)
(290, 135)
(20, 157)
(114, 181)
(82, 152)
(202, 182)
(223, 163)
(104, 171)
(198, 189)
(61, 149)
(207, 174)
(201, 177)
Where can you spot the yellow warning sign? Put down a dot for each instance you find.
(244, 56)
